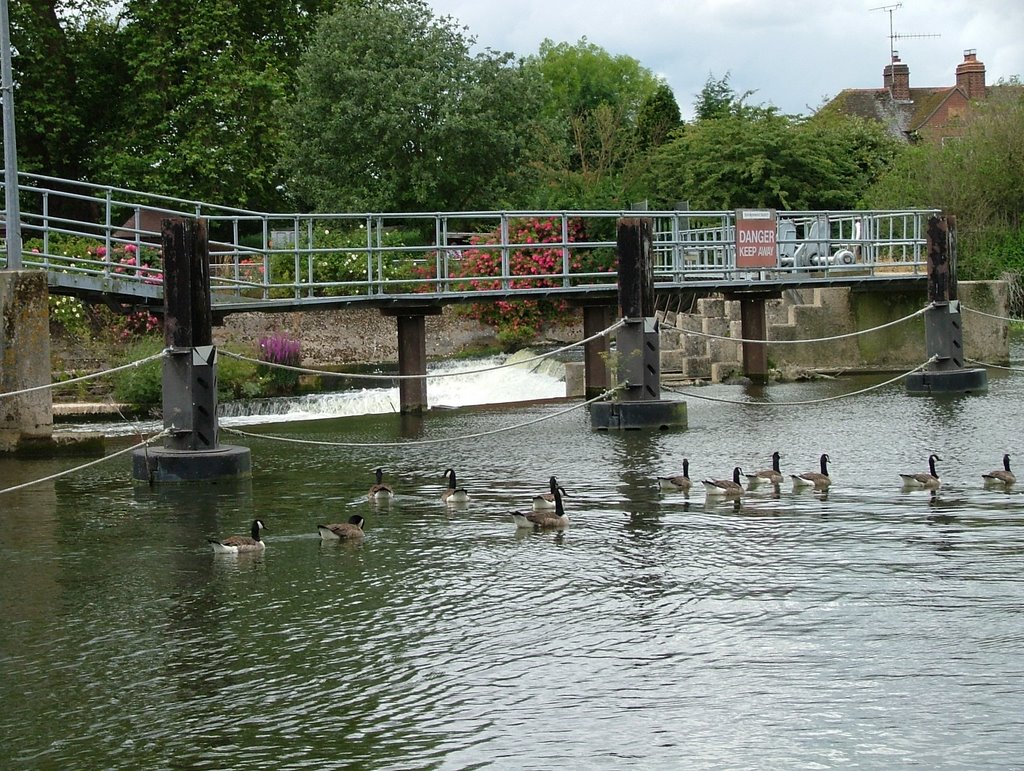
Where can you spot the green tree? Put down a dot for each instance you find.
(977, 178)
(66, 69)
(593, 105)
(393, 113)
(196, 115)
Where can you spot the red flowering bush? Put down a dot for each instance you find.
(536, 259)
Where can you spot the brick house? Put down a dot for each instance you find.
(929, 114)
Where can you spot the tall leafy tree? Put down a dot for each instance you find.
(594, 103)
(66, 70)
(196, 117)
(392, 112)
(977, 178)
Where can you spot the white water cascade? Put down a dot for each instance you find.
(454, 384)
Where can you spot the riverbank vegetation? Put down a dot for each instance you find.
(380, 105)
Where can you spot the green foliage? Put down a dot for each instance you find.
(349, 261)
(393, 113)
(755, 156)
(658, 117)
(592, 131)
(976, 177)
(142, 385)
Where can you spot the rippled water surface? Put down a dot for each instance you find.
(868, 627)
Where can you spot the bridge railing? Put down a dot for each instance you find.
(107, 239)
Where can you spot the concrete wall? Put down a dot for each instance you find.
(803, 314)
(24, 357)
(837, 311)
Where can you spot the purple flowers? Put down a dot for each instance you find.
(280, 349)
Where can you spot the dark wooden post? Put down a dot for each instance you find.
(943, 327)
(190, 377)
(191, 450)
(637, 343)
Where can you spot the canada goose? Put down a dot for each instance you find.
(345, 531)
(544, 519)
(1001, 476)
(380, 491)
(731, 488)
(680, 483)
(235, 544)
(922, 480)
(453, 494)
(820, 480)
(546, 501)
(772, 475)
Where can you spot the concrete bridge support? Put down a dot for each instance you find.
(596, 353)
(24, 359)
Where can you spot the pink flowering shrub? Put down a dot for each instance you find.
(537, 260)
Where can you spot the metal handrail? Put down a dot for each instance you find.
(268, 257)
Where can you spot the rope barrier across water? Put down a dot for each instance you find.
(370, 376)
(794, 342)
(43, 387)
(803, 402)
(90, 464)
(414, 443)
(995, 366)
(991, 315)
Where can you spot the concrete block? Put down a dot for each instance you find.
(716, 326)
(697, 367)
(711, 306)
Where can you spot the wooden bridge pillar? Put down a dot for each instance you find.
(943, 328)
(412, 356)
(192, 451)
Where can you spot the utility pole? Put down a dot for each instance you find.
(12, 219)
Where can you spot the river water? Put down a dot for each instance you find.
(867, 627)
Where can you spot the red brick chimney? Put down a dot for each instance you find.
(970, 75)
(896, 78)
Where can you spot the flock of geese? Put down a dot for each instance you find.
(549, 512)
(819, 480)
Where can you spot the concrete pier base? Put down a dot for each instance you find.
(24, 358)
(955, 381)
(635, 415)
(160, 464)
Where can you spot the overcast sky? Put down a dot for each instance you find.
(792, 53)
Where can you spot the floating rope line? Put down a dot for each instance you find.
(794, 342)
(144, 443)
(690, 394)
(414, 443)
(995, 366)
(138, 363)
(368, 376)
(990, 315)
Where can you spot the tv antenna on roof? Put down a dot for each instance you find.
(893, 37)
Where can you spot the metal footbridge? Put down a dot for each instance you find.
(102, 243)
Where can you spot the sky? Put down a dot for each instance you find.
(794, 54)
